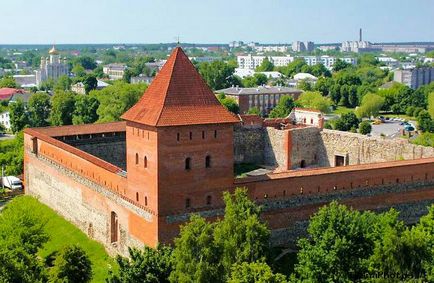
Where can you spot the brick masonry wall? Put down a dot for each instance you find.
(362, 149)
(275, 152)
(110, 149)
(249, 145)
(306, 145)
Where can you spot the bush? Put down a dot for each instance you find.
(410, 111)
(72, 265)
(365, 128)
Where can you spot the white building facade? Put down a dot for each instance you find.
(251, 62)
(52, 67)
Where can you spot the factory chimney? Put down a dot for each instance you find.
(360, 34)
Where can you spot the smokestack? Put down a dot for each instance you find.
(360, 34)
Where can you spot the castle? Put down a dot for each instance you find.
(135, 182)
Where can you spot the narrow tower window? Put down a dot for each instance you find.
(215, 134)
(146, 201)
(191, 135)
(208, 200)
(188, 163)
(137, 158)
(137, 196)
(203, 135)
(145, 162)
(177, 136)
(208, 161)
(187, 203)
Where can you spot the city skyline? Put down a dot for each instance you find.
(216, 22)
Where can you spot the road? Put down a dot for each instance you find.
(390, 129)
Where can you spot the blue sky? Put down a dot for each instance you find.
(216, 21)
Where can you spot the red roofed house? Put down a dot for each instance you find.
(6, 93)
(135, 182)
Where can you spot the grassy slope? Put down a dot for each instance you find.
(63, 233)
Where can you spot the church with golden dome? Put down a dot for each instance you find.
(52, 67)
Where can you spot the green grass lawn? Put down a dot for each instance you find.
(62, 232)
(343, 110)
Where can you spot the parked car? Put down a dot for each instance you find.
(12, 183)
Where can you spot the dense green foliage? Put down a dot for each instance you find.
(19, 117)
(283, 107)
(147, 266)
(34, 246)
(71, 265)
(39, 108)
(116, 99)
(266, 66)
(365, 128)
(22, 234)
(256, 80)
(347, 122)
(314, 100)
(345, 245)
(85, 110)
(370, 106)
(229, 103)
(8, 82)
(218, 74)
(255, 272)
(12, 154)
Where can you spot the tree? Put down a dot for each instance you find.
(19, 117)
(305, 85)
(195, 256)
(340, 244)
(431, 104)
(254, 111)
(340, 65)
(21, 236)
(229, 103)
(39, 109)
(62, 104)
(86, 62)
(283, 108)
(218, 74)
(116, 99)
(241, 236)
(255, 272)
(424, 122)
(12, 155)
(293, 68)
(255, 80)
(63, 83)
(78, 70)
(90, 82)
(148, 266)
(347, 122)
(72, 264)
(8, 82)
(370, 106)
(314, 100)
(85, 110)
(266, 66)
(365, 128)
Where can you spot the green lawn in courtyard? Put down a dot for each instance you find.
(62, 233)
(342, 110)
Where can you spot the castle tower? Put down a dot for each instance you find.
(179, 145)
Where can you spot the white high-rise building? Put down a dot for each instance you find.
(51, 67)
(251, 62)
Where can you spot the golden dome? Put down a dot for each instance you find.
(53, 51)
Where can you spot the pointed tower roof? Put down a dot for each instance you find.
(178, 96)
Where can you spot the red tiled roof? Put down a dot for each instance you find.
(178, 96)
(83, 129)
(6, 92)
